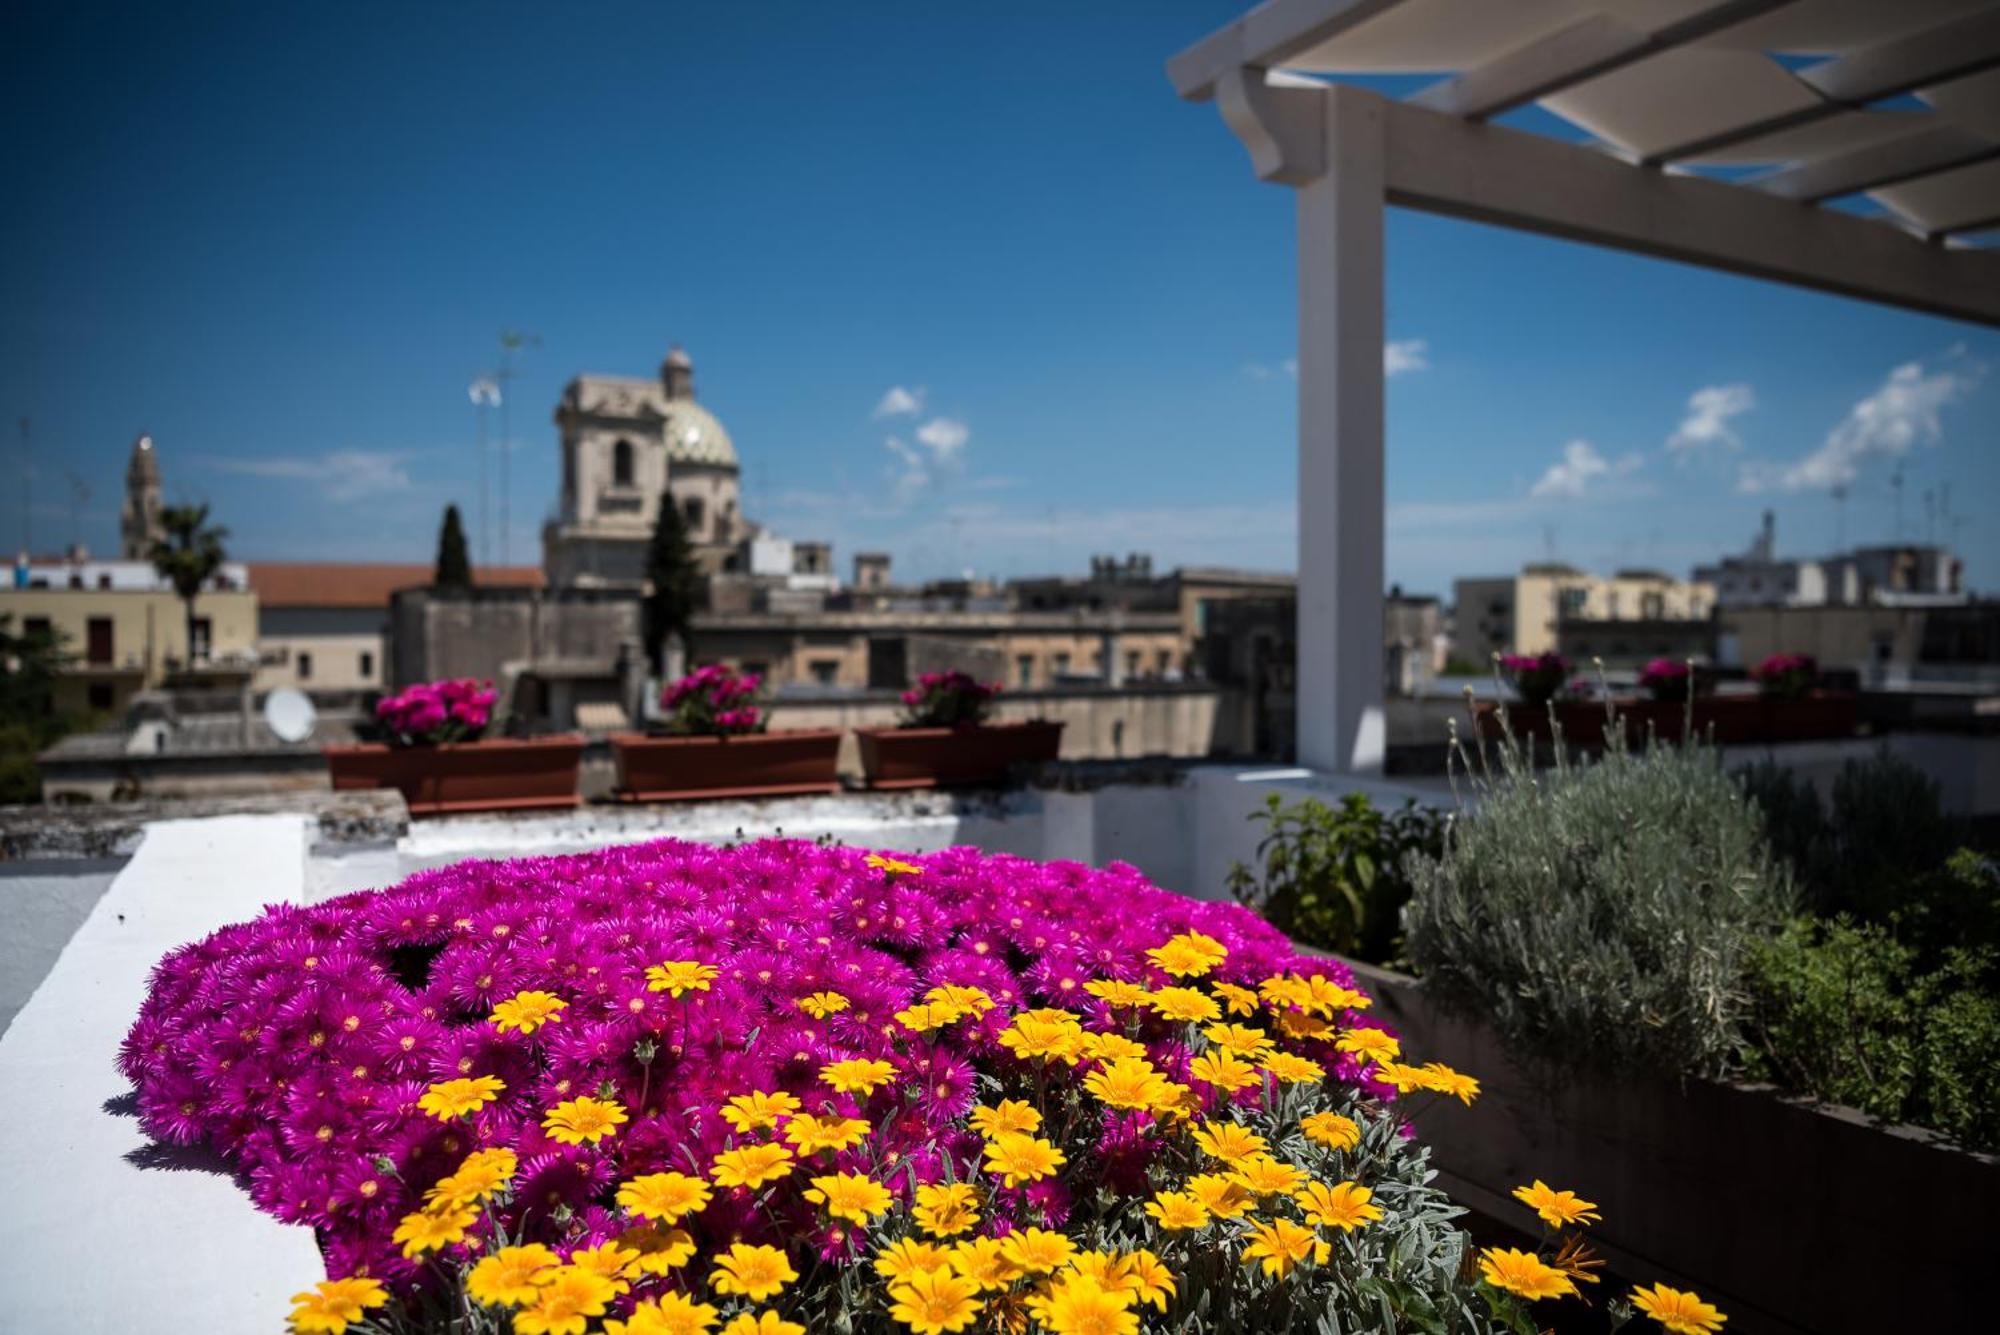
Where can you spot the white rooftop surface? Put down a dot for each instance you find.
(95, 1237)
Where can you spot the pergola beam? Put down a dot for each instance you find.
(1933, 149)
(1489, 173)
(1590, 47)
(1268, 35)
(1950, 50)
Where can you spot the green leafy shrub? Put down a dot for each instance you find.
(1335, 877)
(1844, 1011)
(1891, 834)
(1600, 914)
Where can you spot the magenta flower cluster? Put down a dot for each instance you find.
(1668, 678)
(1787, 676)
(950, 699)
(713, 700)
(299, 1044)
(1538, 678)
(437, 711)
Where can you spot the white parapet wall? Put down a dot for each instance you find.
(104, 1233)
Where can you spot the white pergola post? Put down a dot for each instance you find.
(1340, 665)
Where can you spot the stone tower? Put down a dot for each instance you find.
(139, 522)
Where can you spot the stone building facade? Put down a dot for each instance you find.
(625, 442)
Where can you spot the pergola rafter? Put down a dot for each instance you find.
(1709, 84)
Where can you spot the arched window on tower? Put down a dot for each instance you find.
(621, 464)
(691, 511)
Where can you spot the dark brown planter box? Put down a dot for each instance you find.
(1772, 1208)
(503, 774)
(1732, 720)
(758, 764)
(949, 757)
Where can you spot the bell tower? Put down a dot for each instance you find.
(139, 521)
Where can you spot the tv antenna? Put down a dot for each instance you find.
(79, 496)
(484, 391)
(1839, 493)
(27, 485)
(512, 343)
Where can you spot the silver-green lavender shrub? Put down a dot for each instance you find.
(1601, 914)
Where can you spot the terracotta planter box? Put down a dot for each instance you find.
(504, 774)
(1733, 720)
(1768, 1206)
(949, 757)
(758, 764)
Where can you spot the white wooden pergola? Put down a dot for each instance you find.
(1720, 130)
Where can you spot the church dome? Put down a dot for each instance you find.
(693, 436)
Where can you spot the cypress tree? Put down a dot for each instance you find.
(454, 567)
(674, 585)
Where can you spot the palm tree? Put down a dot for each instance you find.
(187, 555)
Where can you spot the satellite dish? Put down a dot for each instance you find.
(289, 714)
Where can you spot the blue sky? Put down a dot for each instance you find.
(284, 238)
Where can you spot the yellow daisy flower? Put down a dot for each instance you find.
(1015, 1159)
(909, 1256)
(1292, 1069)
(1231, 1142)
(751, 1165)
(527, 1011)
(669, 1314)
(431, 1230)
(982, 1261)
(511, 1277)
(1012, 1115)
(1128, 1082)
(1523, 1273)
(812, 1134)
(1235, 1000)
(1224, 1070)
(584, 1120)
(763, 1323)
(1679, 1311)
(1221, 1195)
(667, 1197)
(610, 1259)
(1280, 1245)
(1029, 1036)
(1115, 994)
(1374, 1044)
(822, 1004)
(893, 866)
(856, 1075)
(945, 1209)
(330, 1306)
(756, 1111)
(661, 1249)
(458, 1098)
(1344, 1206)
(1177, 1211)
(1184, 1004)
(1557, 1208)
(1189, 955)
(934, 1302)
(752, 1272)
(1262, 1175)
(1331, 1130)
(677, 978)
(849, 1196)
(1240, 1039)
(1454, 1083)
(1037, 1251)
(1077, 1304)
(565, 1302)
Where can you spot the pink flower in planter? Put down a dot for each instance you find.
(1670, 679)
(713, 701)
(436, 711)
(950, 699)
(1786, 676)
(1537, 678)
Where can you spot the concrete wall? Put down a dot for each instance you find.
(478, 632)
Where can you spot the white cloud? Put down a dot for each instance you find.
(946, 436)
(1898, 416)
(1581, 468)
(939, 452)
(341, 475)
(1706, 424)
(1402, 355)
(900, 402)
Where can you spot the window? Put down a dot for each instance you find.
(305, 666)
(1653, 606)
(204, 636)
(1024, 669)
(825, 671)
(75, 580)
(98, 645)
(1569, 602)
(621, 464)
(691, 511)
(1166, 661)
(367, 665)
(1062, 665)
(103, 581)
(1131, 662)
(100, 695)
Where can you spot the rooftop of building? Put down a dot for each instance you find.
(364, 583)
